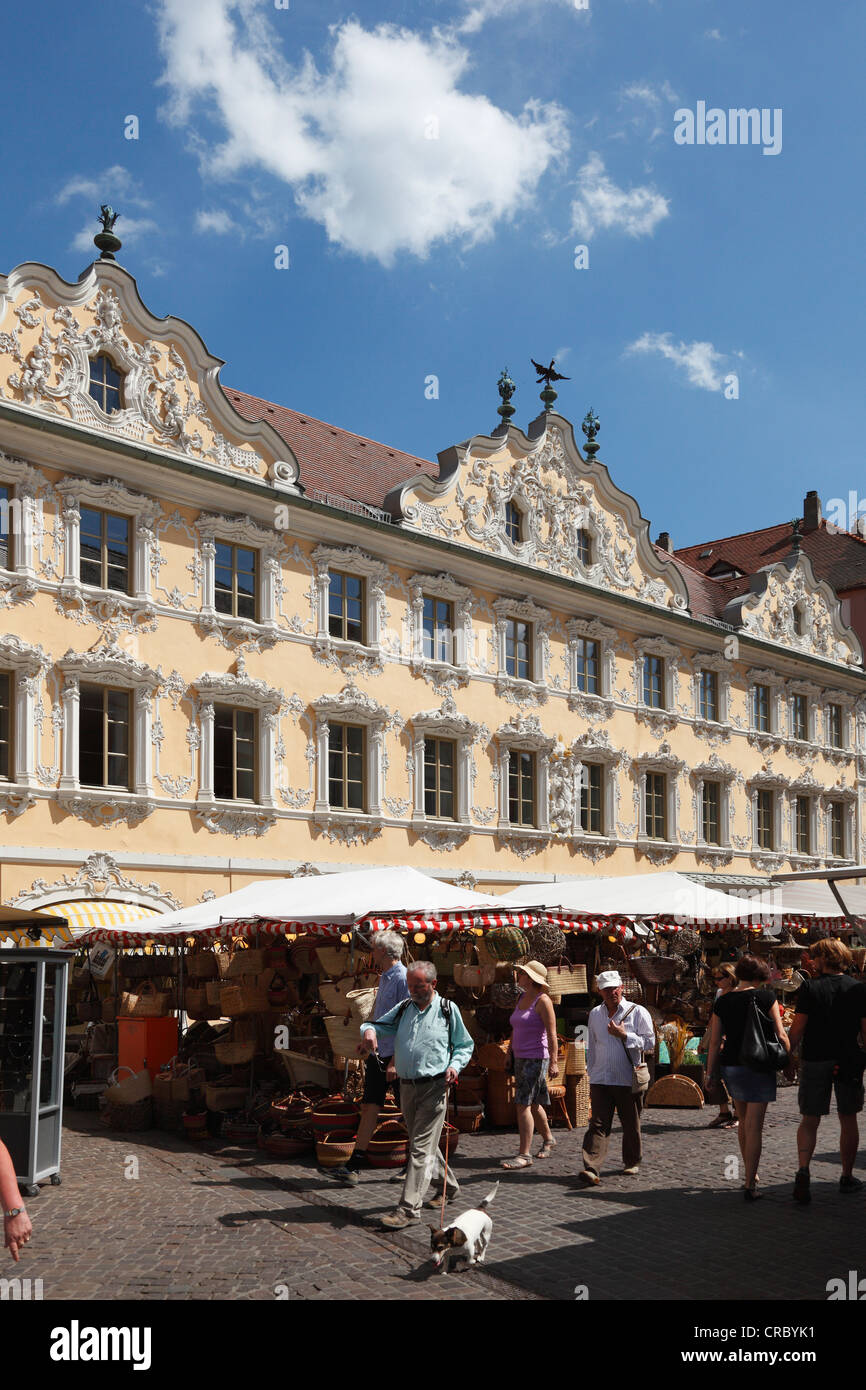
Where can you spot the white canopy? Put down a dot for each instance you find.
(321, 901)
(813, 898)
(643, 895)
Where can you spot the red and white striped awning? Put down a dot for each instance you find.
(831, 926)
(619, 925)
(437, 922)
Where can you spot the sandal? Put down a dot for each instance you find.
(546, 1149)
(721, 1121)
(521, 1161)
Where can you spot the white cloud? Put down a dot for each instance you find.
(114, 184)
(700, 361)
(714, 34)
(601, 205)
(652, 96)
(217, 221)
(383, 149)
(129, 229)
(482, 10)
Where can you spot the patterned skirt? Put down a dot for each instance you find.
(530, 1081)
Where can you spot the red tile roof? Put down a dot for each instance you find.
(839, 557)
(332, 460)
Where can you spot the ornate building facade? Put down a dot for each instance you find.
(237, 642)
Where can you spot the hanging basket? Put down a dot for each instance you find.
(304, 955)
(343, 1037)
(334, 960)
(213, 990)
(545, 943)
(474, 976)
(333, 994)
(246, 961)
(235, 1054)
(504, 944)
(195, 1002)
(201, 965)
(361, 1002)
(503, 996)
(237, 1000)
(565, 978)
(148, 1003)
(655, 970)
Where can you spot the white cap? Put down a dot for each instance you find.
(608, 979)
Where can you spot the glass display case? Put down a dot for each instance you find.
(33, 985)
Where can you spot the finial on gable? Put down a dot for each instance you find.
(591, 426)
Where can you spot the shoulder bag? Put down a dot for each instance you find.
(761, 1049)
(640, 1078)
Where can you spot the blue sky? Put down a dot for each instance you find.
(431, 169)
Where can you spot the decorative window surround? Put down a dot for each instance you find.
(662, 760)
(768, 780)
(240, 531)
(27, 485)
(523, 733)
(108, 664)
(600, 705)
(351, 706)
(218, 687)
(848, 797)
(565, 779)
(446, 723)
(441, 673)
(715, 730)
(350, 560)
(714, 770)
(659, 720)
(110, 495)
(516, 690)
(769, 742)
(27, 665)
(845, 701)
(811, 693)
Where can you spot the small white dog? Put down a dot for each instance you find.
(466, 1238)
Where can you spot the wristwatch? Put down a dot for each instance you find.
(14, 1211)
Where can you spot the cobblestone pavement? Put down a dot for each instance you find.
(218, 1222)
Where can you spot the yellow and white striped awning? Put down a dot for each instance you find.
(82, 915)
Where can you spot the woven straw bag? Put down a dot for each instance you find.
(196, 1002)
(333, 960)
(343, 1037)
(148, 1003)
(565, 978)
(202, 965)
(238, 999)
(235, 1053)
(361, 1003)
(246, 961)
(333, 994)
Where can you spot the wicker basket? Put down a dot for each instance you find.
(333, 994)
(333, 961)
(213, 989)
(335, 1116)
(288, 1114)
(139, 1115)
(472, 1085)
(389, 1146)
(239, 1131)
(449, 1139)
(655, 970)
(304, 955)
(249, 961)
(148, 967)
(148, 1003)
(468, 1118)
(545, 943)
(501, 1109)
(575, 1059)
(220, 1097)
(299, 1141)
(361, 1003)
(474, 976)
(675, 1091)
(577, 1099)
(334, 1150)
(343, 1037)
(202, 965)
(233, 1053)
(195, 1001)
(492, 1055)
(565, 978)
(237, 1000)
(503, 944)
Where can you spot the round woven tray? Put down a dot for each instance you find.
(675, 1091)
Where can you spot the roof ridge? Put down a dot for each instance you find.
(736, 536)
(329, 424)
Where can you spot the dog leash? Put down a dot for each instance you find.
(445, 1178)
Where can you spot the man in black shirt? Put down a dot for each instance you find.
(830, 1016)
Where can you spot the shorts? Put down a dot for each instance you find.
(747, 1086)
(817, 1084)
(376, 1083)
(530, 1081)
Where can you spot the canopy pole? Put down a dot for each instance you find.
(838, 896)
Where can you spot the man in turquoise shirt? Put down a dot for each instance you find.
(429, 1051)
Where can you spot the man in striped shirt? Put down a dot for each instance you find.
(619, 1034)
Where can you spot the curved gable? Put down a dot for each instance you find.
(786, 604)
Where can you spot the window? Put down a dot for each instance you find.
(836, 829)
(591, 790)
(438, 629)
(104, 741)
(235, 586)
(765, 835)
(654, 681)
(105, 384)
(439, 762)
(797, 618)
(799, 717)
(6, 560)
(587, 658)
(655, 811)
(104, 556)
(346, 767)
(521, 787)
(802, 825)
(346, 601)
(513, 523)
(518, 649)
(5, 725)
(711, 801)
(584, 548)
(834, 726)
(709, 695)
(234, 753)
(761, 708)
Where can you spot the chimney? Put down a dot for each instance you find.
(664, 542)
(811, 511)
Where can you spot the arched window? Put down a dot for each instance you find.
(105, 383)
(513, 523)
(584, 548)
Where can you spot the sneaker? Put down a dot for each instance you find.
(437, 1201)
(400, 1217)
(802, 1193)
(633, 1171)
(359, 1159)
(588, 1179)
(399, 1176)
(347, 1175)
(850, 1184)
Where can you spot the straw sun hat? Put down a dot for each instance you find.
(535, 970)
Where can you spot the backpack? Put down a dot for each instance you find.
(445, 1005)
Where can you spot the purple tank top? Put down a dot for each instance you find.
(530, 1034)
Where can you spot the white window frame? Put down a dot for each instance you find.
(27, 486)
(661, 761)
(238, 531)
(110, 666)
(592, 630)
(847, 798)
(811, 794)
(778, 786)
(26, 665)
(242, 692)
(351, 706)
(440, 586)
(524, 734)
(811, 693)
(444, 723)
(107, 496)
(776, 683)
(713, 770)
(349, 560)
(541, 620)
(671, 655)
(845, 701)
(712, 661)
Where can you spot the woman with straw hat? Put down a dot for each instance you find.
(532, 1055)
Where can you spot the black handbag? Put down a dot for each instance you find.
(761, 1049)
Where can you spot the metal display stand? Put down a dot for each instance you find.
(33, 985)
